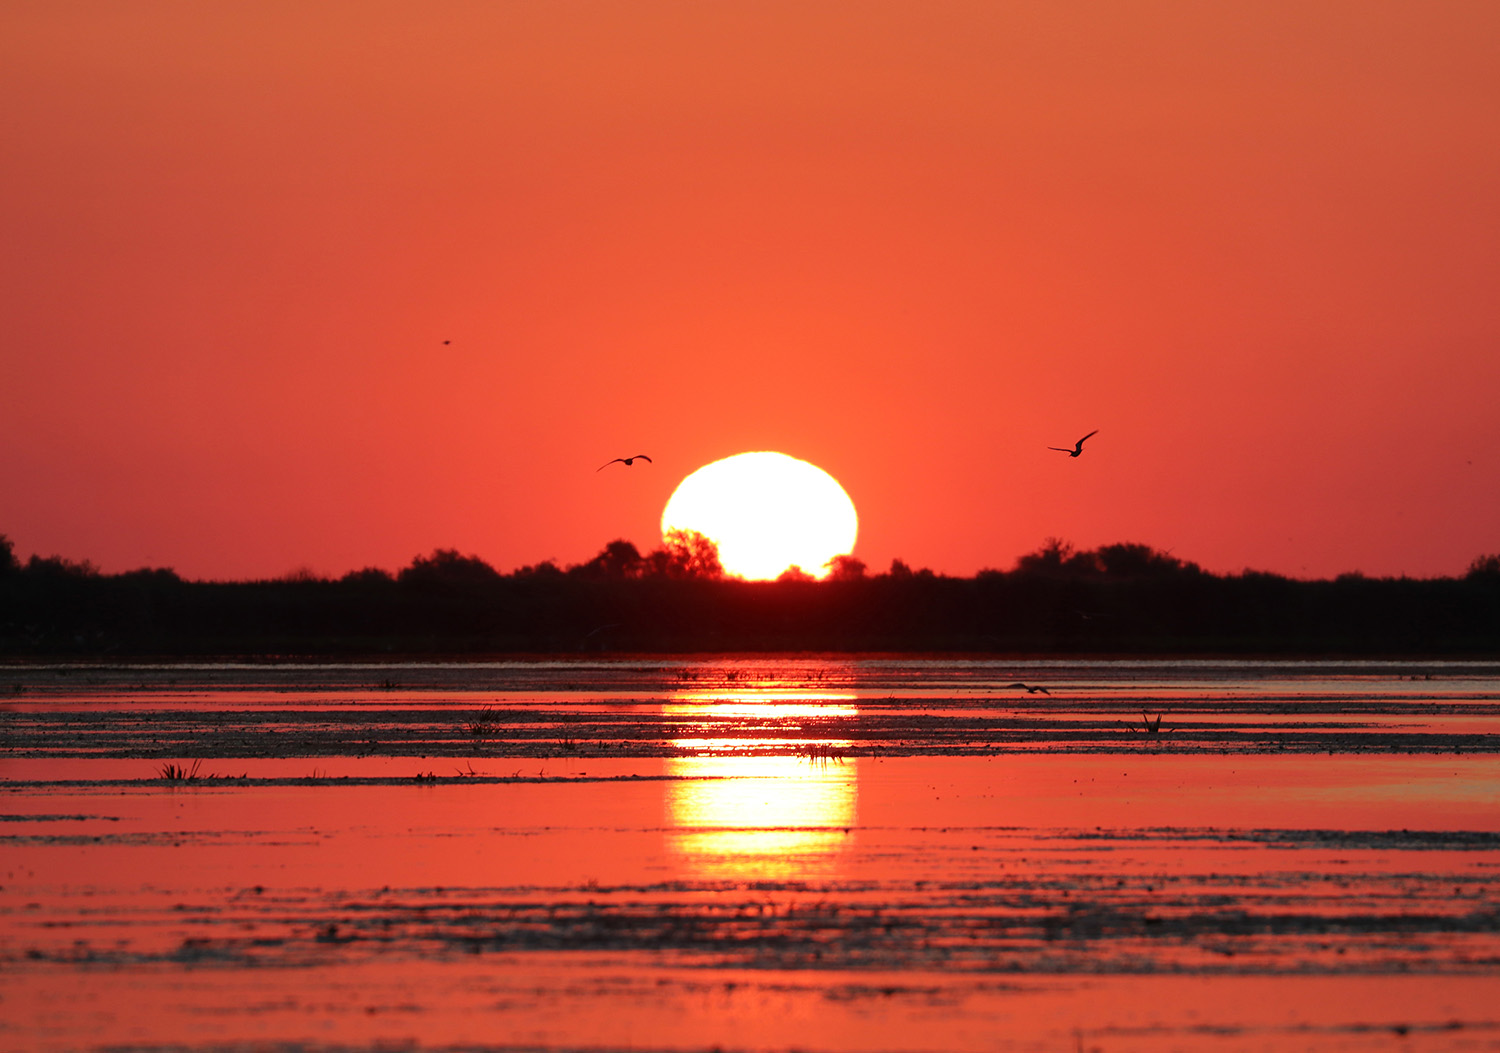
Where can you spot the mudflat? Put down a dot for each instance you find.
(769, 853)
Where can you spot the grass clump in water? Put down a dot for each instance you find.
(181, 772)
(484, 725)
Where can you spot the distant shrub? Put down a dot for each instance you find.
(546, 569)
(1485, 567)
(617, 561)
(846, 568)
(368, 576)
(57, 567)
(152, 576)
(447, 566)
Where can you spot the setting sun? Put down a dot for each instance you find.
(767, 512)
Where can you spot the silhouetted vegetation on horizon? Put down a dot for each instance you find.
(1117, 599)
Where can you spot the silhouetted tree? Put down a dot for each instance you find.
(618, 561)
(901, 571)
(795, 573)
(8, 562)
(686, 554)
(845, 568)
(368, 576)
(1051, 558)
(1058, 559)
(446, 566)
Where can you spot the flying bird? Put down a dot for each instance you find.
(1077, 447)
(1031, 689)
(626, 461)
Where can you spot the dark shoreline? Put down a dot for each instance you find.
(159, 616)
(1123, 600)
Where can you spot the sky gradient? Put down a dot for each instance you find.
(329, 286)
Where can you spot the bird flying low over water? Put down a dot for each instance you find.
(1077, 447)
(626, 461)
(1031, 689)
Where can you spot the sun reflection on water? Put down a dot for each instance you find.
(738, 813)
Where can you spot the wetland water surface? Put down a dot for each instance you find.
(751, 854)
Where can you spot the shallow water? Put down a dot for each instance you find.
(821, 854)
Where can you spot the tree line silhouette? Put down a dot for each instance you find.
(1117, 599)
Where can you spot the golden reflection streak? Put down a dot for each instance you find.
(742, 816)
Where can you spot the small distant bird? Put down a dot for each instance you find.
(626, 461)
(1031, 689)
(589, 641)
(1077, 446)
(447, 342)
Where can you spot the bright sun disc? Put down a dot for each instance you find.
(767, 512)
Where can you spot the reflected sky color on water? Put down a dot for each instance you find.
(839, 856)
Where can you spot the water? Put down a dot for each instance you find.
(822, 853)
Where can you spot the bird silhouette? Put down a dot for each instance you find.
(1031, 689)
(626, 461)
(1077, 447)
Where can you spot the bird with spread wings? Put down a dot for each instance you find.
(1077, 447)
(626, 461)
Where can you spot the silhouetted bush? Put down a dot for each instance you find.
(1485, 567)
(846, 568)
(545, 569)
(686, 554)
(1057, 559)
(617, 561)
(446, 567)
(161, 576)
(368, 576)
(57, 567)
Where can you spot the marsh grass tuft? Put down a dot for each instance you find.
(484, 725)
(182, 773)
(821, 752)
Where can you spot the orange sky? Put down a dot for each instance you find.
(1256, 244)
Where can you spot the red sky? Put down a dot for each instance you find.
(1256, 244)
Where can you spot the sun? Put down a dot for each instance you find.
(767, 512)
